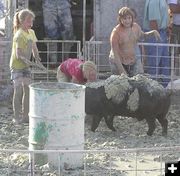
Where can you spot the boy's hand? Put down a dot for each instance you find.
(157, 35)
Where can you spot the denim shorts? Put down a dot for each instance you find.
(21, 73)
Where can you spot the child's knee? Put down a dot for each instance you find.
(17, 82)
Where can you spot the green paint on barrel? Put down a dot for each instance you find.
(41, 133)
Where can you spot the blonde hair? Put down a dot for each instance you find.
(88, 65)
(19, 18)
(125, 11)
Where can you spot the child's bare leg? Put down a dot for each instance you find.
(17, 98)
(25, 99)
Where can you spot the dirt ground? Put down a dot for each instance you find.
(130, 134)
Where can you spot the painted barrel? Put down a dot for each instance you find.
(56, 122)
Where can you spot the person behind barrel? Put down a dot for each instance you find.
(123, 40)
(58, 25)
(23, 38)
(76, 71)
(158, 61)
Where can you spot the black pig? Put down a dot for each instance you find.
(138, 97)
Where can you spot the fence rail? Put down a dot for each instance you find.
(98, 51)
(91, 169)
(52, 52)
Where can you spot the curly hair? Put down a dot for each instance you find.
(125, 11)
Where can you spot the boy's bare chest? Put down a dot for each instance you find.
(128, 37)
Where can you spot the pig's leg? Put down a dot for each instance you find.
(95, 122)
(164, 123)
(109, 122)
(151, 125)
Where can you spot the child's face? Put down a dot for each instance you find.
(28, 22)
(91, 75)
(127, 21)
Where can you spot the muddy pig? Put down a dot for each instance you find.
(138, 97)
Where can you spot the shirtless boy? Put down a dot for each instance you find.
(123, 40)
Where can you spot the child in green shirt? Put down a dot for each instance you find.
(24, 43)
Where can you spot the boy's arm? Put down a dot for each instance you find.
(154, 33)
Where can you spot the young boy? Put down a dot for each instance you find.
(123, 40)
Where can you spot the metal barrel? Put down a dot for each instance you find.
(56, 122)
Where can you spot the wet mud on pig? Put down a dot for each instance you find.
(138, 97)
